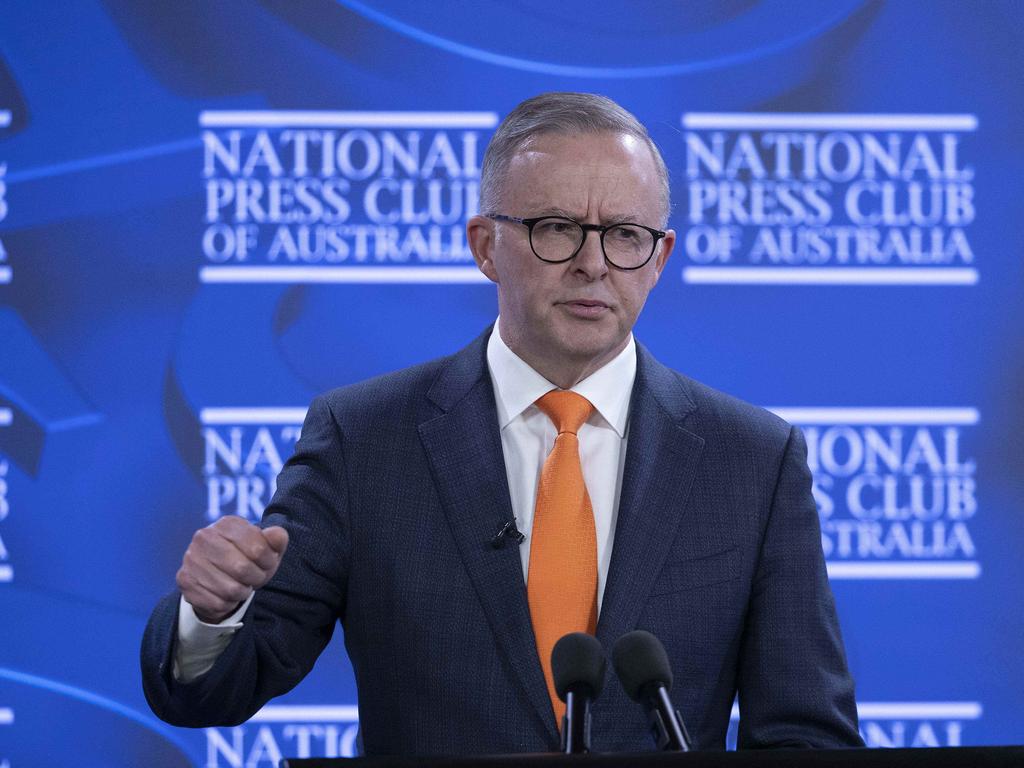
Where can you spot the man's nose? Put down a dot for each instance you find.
(590, 258)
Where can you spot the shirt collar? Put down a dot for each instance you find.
(517, 386)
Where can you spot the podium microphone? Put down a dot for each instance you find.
(642, 665)
(577, 666)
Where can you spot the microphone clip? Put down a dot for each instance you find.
(669, 732)
(508, 531)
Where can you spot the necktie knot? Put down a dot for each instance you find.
(566, 409)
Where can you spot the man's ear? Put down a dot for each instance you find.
(668, 242)
(480, 236)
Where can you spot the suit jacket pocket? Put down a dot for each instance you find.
(701, 570)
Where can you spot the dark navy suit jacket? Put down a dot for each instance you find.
(391, 500)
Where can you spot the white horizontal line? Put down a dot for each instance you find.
(326, 119)
(341, 275)
(912, 710)
(6, 573)
(212, 416)
(920, 710)
(5, 118)
(904, 570)
(831, 275)
(6, 417)
(5, 274)
(921, 416)
(6, 716)
(824, 121)
(282, 713)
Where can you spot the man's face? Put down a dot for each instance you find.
(576, 315)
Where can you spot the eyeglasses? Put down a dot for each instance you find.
(556, 239)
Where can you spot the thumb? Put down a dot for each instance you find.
(277, 538)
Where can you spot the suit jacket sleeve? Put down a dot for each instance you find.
(794, 687)
(292, 618)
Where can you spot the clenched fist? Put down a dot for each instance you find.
(225, 562)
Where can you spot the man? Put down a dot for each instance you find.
(660, 504)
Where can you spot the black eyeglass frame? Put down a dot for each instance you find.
(600, 229)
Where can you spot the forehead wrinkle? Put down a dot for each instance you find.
(539, 204)
(543, 190)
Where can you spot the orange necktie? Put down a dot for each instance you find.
(562, 581)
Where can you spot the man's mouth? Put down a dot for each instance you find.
(586, 308)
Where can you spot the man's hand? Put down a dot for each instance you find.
(225, 562)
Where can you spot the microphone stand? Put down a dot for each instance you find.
(576, 723)
(666, 722)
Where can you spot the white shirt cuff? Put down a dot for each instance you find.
(200, 644)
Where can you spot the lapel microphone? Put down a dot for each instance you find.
(508, 531)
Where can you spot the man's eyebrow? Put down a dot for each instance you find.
(623, 218)
(551, 210)
(616, 218)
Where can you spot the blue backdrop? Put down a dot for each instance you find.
(210, 212)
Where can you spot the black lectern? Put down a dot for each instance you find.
(946, 757)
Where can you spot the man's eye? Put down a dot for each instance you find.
(556, 227)
(624, 234)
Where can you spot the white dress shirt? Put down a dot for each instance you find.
(527, 436)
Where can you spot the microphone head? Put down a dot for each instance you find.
(577, 661)
(640, 660)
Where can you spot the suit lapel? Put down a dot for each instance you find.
(463, 446)
(661, 460)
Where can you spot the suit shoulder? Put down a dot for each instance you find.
(384, 397)
(718, 412)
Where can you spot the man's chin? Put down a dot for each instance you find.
(585, 349)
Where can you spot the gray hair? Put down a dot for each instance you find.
(561, 113)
